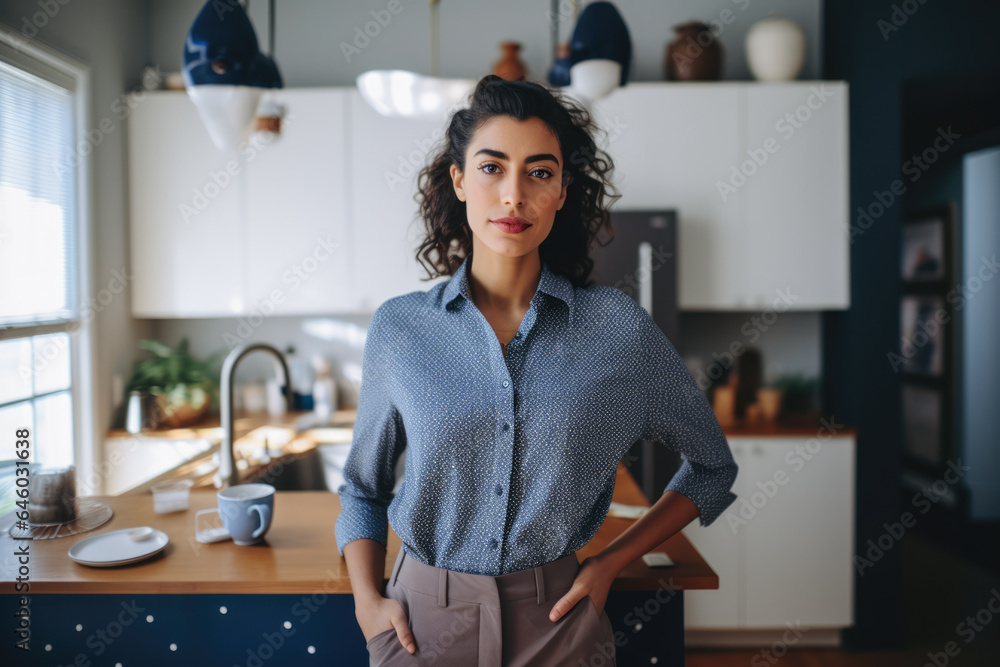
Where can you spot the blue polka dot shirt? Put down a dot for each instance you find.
(510, 462)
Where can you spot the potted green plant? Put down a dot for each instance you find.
(799, 398)
(182, 388)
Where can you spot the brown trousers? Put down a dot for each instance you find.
(467, 620)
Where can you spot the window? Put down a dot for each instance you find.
(44, 336)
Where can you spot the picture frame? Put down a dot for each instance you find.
(924, 323)
(927, 337)
(927, 246)
(925, 418)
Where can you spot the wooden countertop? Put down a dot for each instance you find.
(298, 555)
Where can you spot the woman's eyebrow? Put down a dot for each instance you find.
(500, 155)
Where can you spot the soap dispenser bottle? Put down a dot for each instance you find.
(302, 380)
(324, 390)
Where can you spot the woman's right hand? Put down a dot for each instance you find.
(383, 614)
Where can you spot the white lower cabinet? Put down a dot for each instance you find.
(783, 550)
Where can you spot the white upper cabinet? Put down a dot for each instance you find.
(670, 144)
(186, 233)
(385, 157)
(324, 219)
(758, 175)
(298, 237)
(797, 200)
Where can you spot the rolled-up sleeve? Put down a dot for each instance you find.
(379, 440)
(678, 414)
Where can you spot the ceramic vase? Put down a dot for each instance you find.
(600, 33)
(776, 49)
(694, 54)
(509, 66)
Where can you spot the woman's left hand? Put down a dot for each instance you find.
(593, 580)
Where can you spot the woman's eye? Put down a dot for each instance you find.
(539, 173)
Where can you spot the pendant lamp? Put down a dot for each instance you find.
(225, 73)
(398, 92)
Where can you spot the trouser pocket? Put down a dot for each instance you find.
(445, 636)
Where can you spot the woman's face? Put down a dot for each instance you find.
(513, 169)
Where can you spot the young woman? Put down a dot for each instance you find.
(515, 388)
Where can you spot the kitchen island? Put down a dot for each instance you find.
(283, 601)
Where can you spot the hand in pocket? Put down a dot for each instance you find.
(384, 615)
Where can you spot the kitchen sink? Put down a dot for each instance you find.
(292, 472)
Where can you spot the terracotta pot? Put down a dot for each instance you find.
(182, 415)
(509, 66)
(694, 54)
(770, 403)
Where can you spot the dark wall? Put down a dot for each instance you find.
(935, 41)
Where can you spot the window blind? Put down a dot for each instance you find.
(38, 166)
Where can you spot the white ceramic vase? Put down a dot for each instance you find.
(776, 49)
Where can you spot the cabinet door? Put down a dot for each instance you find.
(184, 214)
(671, 144)
(385, 157)
(800, 541)
(797, 200)
(722, 546)
(297, 240)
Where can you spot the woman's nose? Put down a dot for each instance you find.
(513, 193)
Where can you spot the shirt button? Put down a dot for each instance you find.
(493, 543)
(499, 490)
(506, 427)
(506, 383)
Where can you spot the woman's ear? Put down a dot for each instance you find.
(562, 195)
(458, 181)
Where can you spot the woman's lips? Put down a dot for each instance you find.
(511, 225)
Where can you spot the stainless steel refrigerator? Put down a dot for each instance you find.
(641, 260)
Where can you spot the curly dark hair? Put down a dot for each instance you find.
(584, 213)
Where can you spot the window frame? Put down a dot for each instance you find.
(45, 62)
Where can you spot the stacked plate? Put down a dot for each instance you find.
(119, 547)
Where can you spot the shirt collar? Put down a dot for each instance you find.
(550, 283)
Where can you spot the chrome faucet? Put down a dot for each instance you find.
(227, 474)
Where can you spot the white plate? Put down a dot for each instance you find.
(117, 548)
